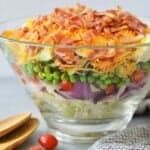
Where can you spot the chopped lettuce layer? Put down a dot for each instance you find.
(75, 109)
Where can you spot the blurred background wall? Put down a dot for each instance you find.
(10, 9)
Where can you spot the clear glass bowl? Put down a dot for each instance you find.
(92, 112)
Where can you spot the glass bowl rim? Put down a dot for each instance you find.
(122, 45)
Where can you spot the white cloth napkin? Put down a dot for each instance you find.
(137, 138)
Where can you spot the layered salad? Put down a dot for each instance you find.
(82, 63)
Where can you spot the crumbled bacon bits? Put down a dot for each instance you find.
(84, 22)
(66, 55)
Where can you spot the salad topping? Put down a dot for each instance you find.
(80, 25)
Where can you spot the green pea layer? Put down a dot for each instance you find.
(50, 73)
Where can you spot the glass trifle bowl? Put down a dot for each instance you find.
(86, 70)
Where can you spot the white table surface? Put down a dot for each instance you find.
(13, 99)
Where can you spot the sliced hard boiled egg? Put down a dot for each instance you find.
(44, 55)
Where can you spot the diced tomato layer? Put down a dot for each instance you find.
(110, 89)
(138, 76)
(66, 86)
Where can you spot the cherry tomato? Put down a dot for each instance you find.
(36, 147)
(138, 76)
(66, 86)
(48, 141)
(110, 89)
